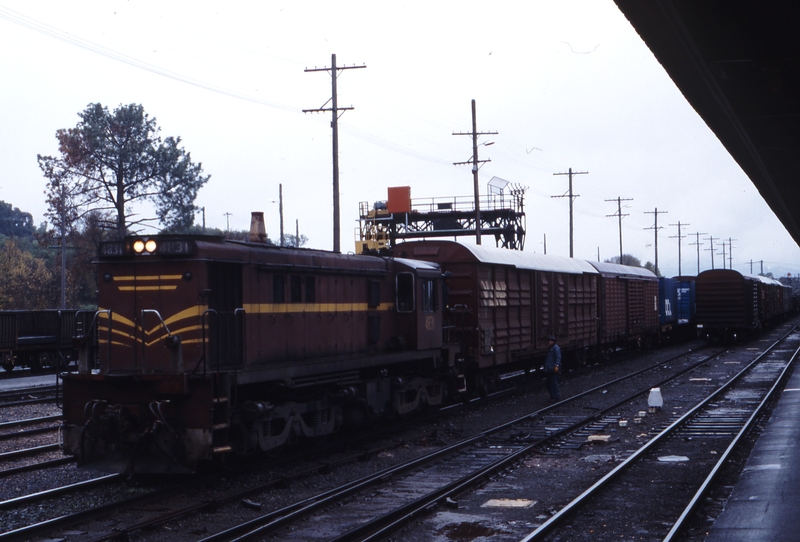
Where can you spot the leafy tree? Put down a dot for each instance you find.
(112, 160)
(292, 240)
(627, 259)
(27, 281)
(13, 222)
(650, 266)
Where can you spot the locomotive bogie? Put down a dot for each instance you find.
(155, 416)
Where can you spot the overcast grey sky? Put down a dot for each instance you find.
(566, 84)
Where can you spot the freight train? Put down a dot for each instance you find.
(205, 349)
(40, 339)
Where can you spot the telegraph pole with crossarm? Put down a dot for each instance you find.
(334, 109)
(571, 199)
(475, 133)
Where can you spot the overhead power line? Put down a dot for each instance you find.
(43, 28)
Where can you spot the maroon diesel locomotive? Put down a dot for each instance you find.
(204, 347)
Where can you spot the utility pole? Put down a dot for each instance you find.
(680, 238)
(571, 199)
(228, 220)
(711, 240)
(334, 109)
(63, 249)
(475, 133)
(697, 243)
(730, 252)
(724, 255)
(280, 210)
(655, 229)
(619, 201)
(204, 219)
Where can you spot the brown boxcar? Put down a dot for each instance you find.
(628, 303)
(730, 302)
(207, 346)
(505, 303)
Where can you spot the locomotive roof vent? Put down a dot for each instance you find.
(258, 232)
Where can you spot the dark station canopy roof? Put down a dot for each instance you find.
(738, 64)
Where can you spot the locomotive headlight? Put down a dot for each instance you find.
(145, 246)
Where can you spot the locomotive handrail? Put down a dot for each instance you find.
(144, 341)
(243, 334)
(203, 329)
(92, 325)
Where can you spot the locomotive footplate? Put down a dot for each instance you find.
(157, 422)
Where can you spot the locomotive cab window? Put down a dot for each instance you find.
(405, 292)
(277, 288)
(429, 295)
(311, 290)
(296, 288)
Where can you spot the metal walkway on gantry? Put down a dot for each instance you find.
(502, 216)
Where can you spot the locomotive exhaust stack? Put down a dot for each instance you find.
(258, 232)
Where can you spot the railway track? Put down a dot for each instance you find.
(28, 396)
(657, 487)
(496, 450)
(371, 504)
(439, 477)
(48, 526)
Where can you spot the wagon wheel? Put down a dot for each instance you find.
(34, 362)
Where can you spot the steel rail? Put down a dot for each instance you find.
(54, 492)
(572, 506)
(36, 466)
(29, 451)
(276, 519)
(712, 476)
(30, 421)
(29, 432)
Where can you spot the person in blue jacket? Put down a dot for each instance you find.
(552, 366)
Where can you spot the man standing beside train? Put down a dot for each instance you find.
(552, 366)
